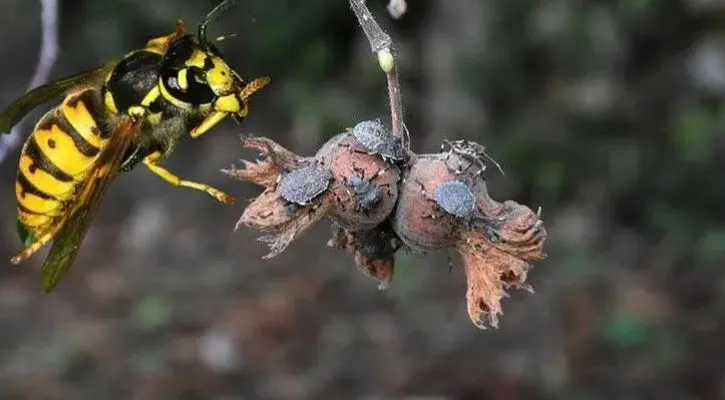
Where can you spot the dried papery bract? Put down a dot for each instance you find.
(497, 256)
(275, 160)
(270, 211)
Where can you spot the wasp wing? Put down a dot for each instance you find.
(66, 244)
(13, 113)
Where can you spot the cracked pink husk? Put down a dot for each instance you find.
(496, 244)
(345, 157)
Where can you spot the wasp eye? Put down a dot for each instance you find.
(198, 75)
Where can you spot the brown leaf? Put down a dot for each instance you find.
(301, 220)
(266, 213)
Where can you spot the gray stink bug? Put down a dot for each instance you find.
(367, 193)
(380, 141)
(455, 198)
(301, 186)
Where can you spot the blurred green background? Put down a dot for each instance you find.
(608, 114)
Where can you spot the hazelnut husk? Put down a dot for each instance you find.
(356, 208)
(377, 206)
(496, 242)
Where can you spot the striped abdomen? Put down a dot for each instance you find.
(57, 158)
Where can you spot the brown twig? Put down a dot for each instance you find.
(46, 59)
(382, 45)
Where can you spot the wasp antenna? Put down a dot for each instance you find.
(253, 86)
(225, 37)
(213, 14)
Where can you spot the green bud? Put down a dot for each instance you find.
(386, 60)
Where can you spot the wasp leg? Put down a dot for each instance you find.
(151, 161)
(208, 123)
(132, 159)
(162, 43)
(37, 245)
(234, 104)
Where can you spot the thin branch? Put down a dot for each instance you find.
(46, 59)
(379, 40)
(382, 45)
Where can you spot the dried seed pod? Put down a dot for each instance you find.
(374, 250)
(380, 141)
(365, 186)
(303, 185)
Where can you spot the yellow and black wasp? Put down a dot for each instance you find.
(113, 117)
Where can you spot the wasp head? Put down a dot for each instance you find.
(194, 74)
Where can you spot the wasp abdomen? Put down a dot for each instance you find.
(57, 157)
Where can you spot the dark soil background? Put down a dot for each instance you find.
(608, 114)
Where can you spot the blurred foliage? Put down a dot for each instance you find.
(628, 331)
(152, 312)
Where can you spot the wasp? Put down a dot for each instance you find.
(113, 117)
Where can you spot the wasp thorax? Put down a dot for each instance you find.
(365, 188)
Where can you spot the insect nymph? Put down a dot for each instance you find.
(113, 117)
